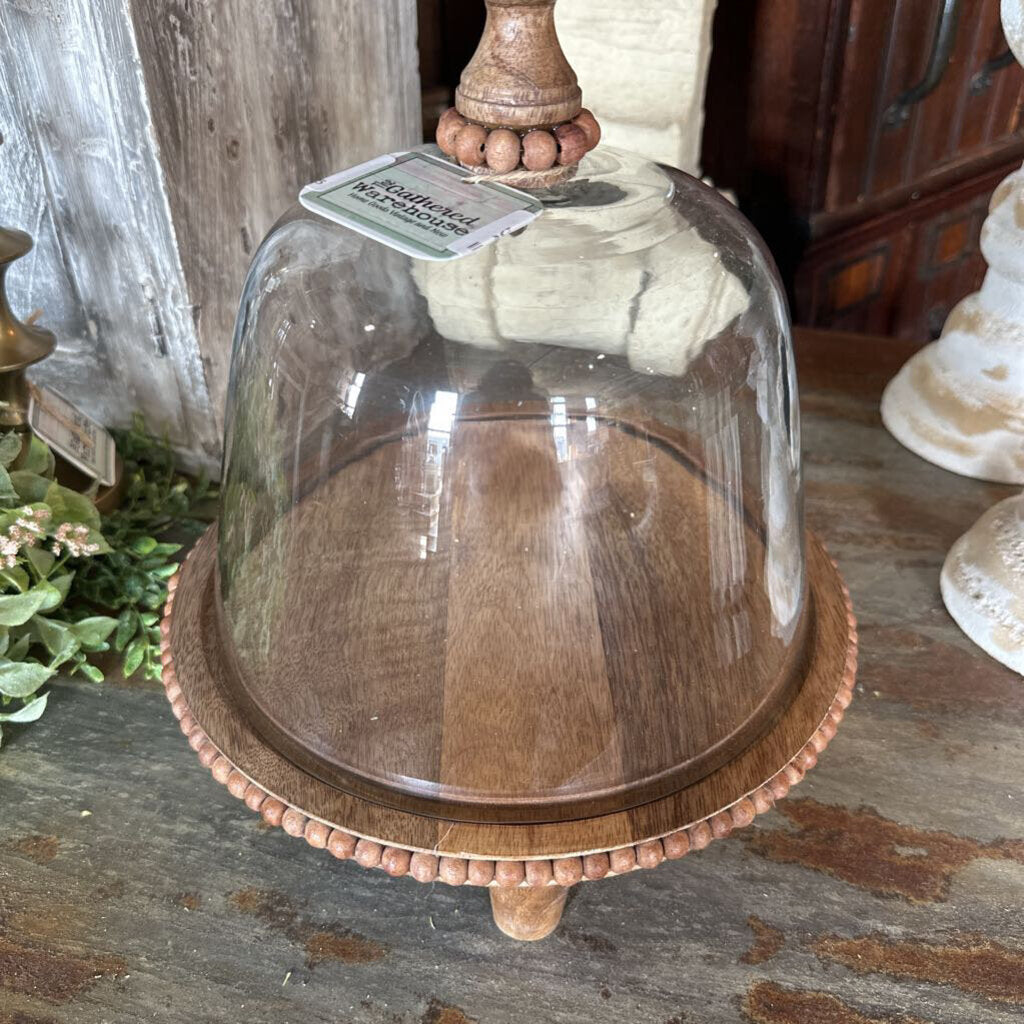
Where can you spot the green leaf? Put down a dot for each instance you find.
(16, 609)
(133, 656)
(22, 678)
(31, 487)
(91, 672)
(19, 648)
(71, 507)
(37, 458)
(57, 637)
(29, 713)
(166, 549)
(94, 630)
(126, 627)
(8, 495)
(5, 640)
(52, 596)
(41, 559)
(144, 545)
(10, 448)
(62, 584)
(15, 577)
(97, 538)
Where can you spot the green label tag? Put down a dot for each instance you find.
(421, 205)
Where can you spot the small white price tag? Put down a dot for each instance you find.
(421, 205)
(68, 431)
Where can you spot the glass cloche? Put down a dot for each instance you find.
(516, 537)
(519, 534)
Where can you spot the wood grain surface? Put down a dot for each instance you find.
(148, 145)
(549, 642)
(888, 889)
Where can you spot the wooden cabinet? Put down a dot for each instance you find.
(872, 206)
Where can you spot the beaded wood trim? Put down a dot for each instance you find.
(565, 871)
(537, 155)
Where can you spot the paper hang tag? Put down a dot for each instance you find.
(72, 434)
(421, 205)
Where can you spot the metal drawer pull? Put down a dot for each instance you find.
(983, 79)
(942, 50)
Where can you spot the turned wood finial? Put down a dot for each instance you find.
(519, 77)
(518, 110)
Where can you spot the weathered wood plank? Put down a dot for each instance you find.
(87, 181)
(887, 888)
(149, 144)
(251, 101)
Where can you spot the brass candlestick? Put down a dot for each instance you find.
(21, 345)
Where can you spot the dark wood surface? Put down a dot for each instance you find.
(875, 225)
(548, 657)
(888, 888)
(200, 671)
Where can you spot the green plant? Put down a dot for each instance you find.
(46, 530)
(73, 584)
(132, 579)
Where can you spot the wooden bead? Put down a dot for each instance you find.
(423, 867)
(676, 845)
(196, 738)
(762, 799)
(395, 862)
(622, 861)
(254, 797)
(742, 813)
(509, 874)
(272, 811)
(178, 708)
(187, 723)
(540, 151)
(208, 753)
(778, 786)
(237, 784)
(572, 144)
(721, 825)
(368, 853)
(317, 834)
(469, 145)
(700, 835)
(596, 865)
(588, 123)
(650, 855)
(221, 769)
(341, 845)
(503, 150)
(538, 873)
(481, 872)
(453, 870)
(451, 123)
(294, 822)
(567, 870)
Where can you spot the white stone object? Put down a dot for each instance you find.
(983, 582)
(643, 68)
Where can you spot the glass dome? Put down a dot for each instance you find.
(516, 537)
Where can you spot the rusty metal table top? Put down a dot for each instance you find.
(888, 888)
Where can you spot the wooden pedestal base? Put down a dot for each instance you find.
(527, 867)
(528, 914)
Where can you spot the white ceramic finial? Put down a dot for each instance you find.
(959, 402)
(983, 578)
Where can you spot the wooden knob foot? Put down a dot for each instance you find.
(528, 914)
